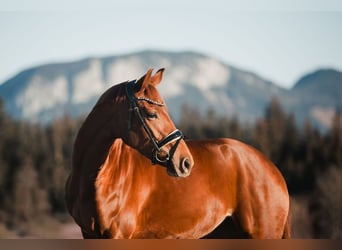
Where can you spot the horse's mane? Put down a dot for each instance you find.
(93, 126)
(116, 93)
(91, 147)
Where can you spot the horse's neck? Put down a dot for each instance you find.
(123, 184)
(115, 168)
(95, 137)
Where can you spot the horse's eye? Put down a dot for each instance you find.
(151, 115)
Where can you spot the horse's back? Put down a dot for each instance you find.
(249, 163)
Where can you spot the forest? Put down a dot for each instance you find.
(35, 161)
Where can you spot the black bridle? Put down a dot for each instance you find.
(176, 135)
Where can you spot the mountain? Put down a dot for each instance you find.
(315, 97)
(42, 93)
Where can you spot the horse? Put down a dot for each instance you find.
(135, 176)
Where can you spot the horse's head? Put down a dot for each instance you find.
(151, 130)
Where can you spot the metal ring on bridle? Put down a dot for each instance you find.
(155, 154)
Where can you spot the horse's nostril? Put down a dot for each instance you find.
(186, 164)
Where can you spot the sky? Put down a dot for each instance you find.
(278, 40)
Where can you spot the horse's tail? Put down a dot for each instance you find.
(287, 228)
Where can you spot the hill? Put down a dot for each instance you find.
(43, 93)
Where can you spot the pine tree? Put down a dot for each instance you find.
(334, 140)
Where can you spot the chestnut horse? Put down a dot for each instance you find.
(118, 187)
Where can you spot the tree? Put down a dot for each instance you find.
(334, 139)
(327, 204)
(191, 122)
(29, 199)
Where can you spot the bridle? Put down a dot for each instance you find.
(175, 135)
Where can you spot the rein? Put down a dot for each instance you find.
(176, 135)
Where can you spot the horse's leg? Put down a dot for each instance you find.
(86, 235)
(287, 229)
(94, 235)
(266, 222)
(228, 229)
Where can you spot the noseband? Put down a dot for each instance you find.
(176, 135)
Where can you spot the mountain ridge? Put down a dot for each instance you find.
(45, 92)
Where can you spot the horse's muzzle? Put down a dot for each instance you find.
(182, 170)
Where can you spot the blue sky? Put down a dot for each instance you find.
(279, 40)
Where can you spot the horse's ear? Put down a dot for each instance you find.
(147, 79)
(144, 81)
(156, 79)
